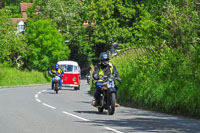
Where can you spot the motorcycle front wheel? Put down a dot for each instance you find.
(111, 104)
(100, 109)
(88, 81)
(56, 88)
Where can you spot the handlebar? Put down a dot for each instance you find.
(57, 75)
(106, 77)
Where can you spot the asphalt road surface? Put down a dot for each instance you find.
(38, 109)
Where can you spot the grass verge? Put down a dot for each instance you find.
(10, 76)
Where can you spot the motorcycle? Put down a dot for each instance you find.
(108, 94)
(56, 82)
(88, 78)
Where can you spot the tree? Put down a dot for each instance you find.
(113, 18)
(12, 45)
(67, 14)
(175, 25)
(15, 11)
(114, 23)
(45, 45)
(15, 2)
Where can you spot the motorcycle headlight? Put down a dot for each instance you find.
(104, 84)
(57, 78)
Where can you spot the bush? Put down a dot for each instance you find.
(168, 82)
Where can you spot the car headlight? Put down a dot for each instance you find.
(74, 79)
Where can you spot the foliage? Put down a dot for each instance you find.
(67, 16)
(45, 45)
(176, 27)
(13, 45)
(15, 11)
(167, 78)
(114, 21)
(168, 82)
(15, 2)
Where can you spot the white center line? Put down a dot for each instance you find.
(38, 100)
(48, 106)
(81, 118)
(75, 116)
(43, 90)
(36, 96)
(111, 129)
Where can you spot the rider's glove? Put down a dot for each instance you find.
(119, 80)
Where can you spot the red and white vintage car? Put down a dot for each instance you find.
(71, 76)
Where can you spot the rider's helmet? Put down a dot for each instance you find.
(104, 57)
(56, 67)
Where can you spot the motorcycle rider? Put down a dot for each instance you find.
(104, 68)
(88, 77)
(53, 72)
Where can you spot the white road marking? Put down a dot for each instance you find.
(111, 129)
(36, 95)
(75, 116)
(38, 100)
(48, 106)
(81, 118)
(43, 90)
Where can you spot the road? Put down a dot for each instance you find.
(37, 109)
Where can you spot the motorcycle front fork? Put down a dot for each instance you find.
(103, 100)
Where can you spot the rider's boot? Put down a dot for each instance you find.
(94, 103)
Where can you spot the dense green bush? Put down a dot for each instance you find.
(168, 82)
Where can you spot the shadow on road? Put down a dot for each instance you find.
(68, 89)
(150, 125)
(64, 89)
(145, 121)
(91, 112)
(84, 102)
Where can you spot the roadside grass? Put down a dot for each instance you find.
(10, 76)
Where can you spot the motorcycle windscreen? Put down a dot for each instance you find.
(110, 84)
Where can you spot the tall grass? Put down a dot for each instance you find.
(10, 76)
(168, 82)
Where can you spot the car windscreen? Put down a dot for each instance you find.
(69, 68)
